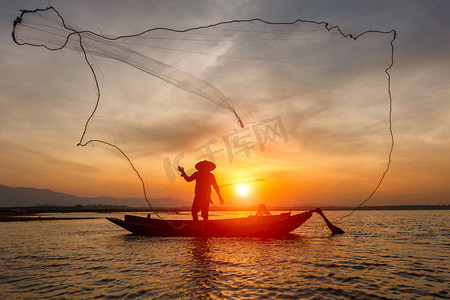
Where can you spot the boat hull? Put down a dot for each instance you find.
(258, 226)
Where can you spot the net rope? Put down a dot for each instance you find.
(89, 42)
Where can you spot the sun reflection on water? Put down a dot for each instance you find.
(381, 255)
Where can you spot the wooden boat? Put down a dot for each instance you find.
(257, 226)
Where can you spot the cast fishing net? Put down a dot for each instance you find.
(312, 103)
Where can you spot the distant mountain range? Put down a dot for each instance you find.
(25, 197)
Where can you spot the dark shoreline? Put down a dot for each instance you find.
(30, 219)
(111, 208)
(27, 214)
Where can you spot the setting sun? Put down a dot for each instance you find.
(242, 190)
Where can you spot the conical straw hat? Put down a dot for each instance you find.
(205, 165)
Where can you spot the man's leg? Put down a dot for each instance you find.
(195, 209)
(194, 213)
(205, 208)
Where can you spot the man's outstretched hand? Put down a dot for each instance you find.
(181, 169)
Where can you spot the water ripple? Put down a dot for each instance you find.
(380, 257)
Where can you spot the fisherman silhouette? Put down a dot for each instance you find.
(204, 179)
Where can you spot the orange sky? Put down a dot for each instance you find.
(315, 105)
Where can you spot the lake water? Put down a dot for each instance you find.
(382, 255)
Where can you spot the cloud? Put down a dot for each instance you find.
(333, 102)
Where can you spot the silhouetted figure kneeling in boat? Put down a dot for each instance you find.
(204, 179)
